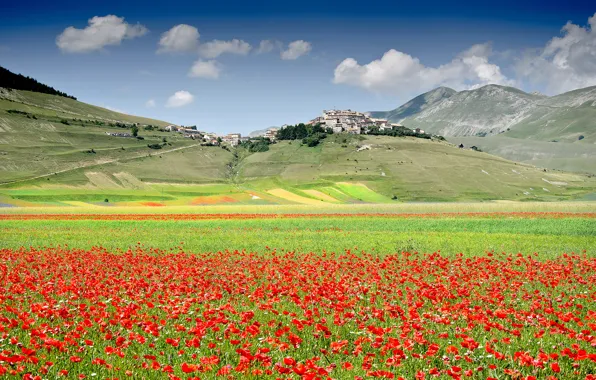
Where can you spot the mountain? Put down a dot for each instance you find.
(568, 119)
(416, 105)
(11, 80)
(493, 109)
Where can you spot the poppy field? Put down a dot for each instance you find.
(483, 296)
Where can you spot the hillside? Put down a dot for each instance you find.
(343, 169)
(42, 134)
(568, 119)
(416, 105)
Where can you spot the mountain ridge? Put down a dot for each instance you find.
(495, 109)
(501, 120)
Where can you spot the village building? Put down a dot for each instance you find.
(232, 138)
(271, 134)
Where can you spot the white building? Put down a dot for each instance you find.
(271, 134)
(232, 138)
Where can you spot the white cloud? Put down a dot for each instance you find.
(266, 46)
(181, 38)
(398, 72)
(150, 103)
(205, 69)
(296, 49)
(101, 32)
(216, 48)
(565, 63)
(180, 99)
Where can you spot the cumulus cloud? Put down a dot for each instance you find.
(205, 69)
(180, 99)
(565, 63)
(101, 32)
(296, 49)
(150, 103)
(180, 39)
(397, 72)
(216, 48)
(267, 46)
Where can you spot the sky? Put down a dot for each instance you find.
(238, 66)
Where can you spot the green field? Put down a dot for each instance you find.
(471, 236)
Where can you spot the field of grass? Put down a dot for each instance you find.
(450, 235)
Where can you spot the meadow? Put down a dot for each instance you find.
(470, 235)
(411, 291)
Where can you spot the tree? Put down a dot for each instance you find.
(134, 130)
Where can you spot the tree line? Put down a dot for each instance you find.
(9, 79)
(311, 135)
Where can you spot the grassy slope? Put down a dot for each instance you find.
(50, 105)
(577, 156)
(410, 169)
(414, 169)
(39, 143)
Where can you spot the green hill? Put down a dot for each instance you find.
(42, 134)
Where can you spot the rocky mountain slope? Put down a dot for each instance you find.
(511, 123)
(416, 105)
(493, 109)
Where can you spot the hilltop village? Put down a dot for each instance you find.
(331, 121)
(353, 122)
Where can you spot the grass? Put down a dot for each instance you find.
(37, 143)
(574, 156)
(548, 237)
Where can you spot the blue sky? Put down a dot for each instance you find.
(365, 56)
